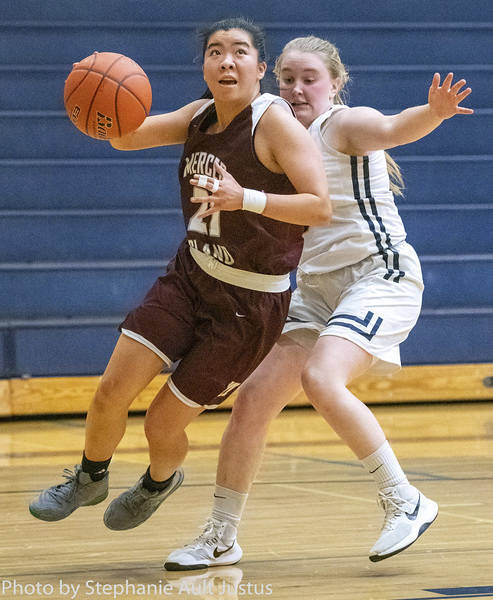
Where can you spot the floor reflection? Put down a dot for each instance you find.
(219, 583)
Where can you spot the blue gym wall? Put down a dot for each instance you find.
(84, 230)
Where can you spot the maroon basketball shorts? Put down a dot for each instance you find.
(219, 332)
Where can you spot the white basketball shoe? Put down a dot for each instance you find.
(215, 546)
(408, 514)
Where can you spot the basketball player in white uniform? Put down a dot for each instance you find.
(358, 296)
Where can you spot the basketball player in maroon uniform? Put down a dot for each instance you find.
(251, 178)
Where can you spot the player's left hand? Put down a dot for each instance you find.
(225, 192)
(444, 100)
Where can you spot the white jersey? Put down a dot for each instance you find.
(365, 220)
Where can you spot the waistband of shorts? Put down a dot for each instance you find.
(244, 279)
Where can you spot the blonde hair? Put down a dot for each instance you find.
(396, 181)
(326, 51)
(329, 54)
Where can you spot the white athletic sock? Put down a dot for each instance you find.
(385, 467)
(228, 505)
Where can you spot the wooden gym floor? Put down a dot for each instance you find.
(307, 528)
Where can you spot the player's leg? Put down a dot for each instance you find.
(131, 368)
(211, 367)
(164, 323)
(334, 363)
(275, 382)
(260, 399)
(165, 424)
(105, 426)
(373, 315)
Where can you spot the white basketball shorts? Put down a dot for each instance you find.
(360, 303)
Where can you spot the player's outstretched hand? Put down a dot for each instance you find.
(444, 99)
(225, 193)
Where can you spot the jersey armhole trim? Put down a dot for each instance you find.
(202, 108)
(265, 101)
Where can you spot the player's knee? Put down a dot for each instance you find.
(244, 408)
(320, 385)
(249, 411)
(312, 378)
(108, 394)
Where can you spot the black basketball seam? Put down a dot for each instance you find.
(116, 111)
(120, 84)
(130, 91)
(80, 82)
(97, 89)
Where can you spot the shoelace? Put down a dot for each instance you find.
(136, 497)
(134, 500)
(393, 506)
(210, 535)
(70, 476)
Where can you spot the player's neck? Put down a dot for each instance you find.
(227, 111)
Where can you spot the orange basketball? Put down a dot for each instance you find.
(107, 95)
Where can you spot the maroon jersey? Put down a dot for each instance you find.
(224, 299)
(239, 239)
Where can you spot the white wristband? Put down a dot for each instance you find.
(254, 201)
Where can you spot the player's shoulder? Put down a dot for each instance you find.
(276, 107)
(193, 109)
(277, 113)
(278, 117)
(351, 113)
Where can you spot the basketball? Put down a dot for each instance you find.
(107, 95)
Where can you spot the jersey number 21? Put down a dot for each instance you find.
(196, 223)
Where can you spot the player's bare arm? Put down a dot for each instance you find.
(361, 129)
(284, 145)
(289, 146)
(160, 130)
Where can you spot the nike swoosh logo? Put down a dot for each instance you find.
(217, 553)
(412, 516)
(223, 497)
(238, 314)
(376, 468)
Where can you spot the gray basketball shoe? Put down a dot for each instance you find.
(137, 504)
(59, 501)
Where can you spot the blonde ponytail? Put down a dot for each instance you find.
(395, 176)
